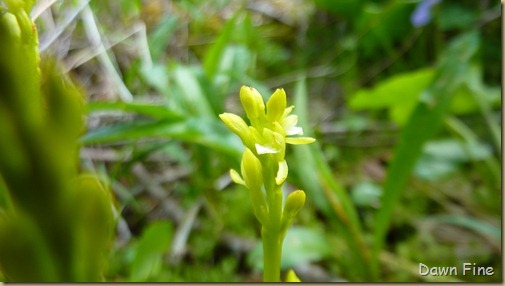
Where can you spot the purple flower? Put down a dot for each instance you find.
(422, 14)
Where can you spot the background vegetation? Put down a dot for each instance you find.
(403, 99)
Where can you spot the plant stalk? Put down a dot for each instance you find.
(272, 249)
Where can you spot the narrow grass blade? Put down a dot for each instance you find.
(328, 194)
(151, 110)
(213, 56)
(192, 92)
(423, 124)
(209, 133)
(161, 36)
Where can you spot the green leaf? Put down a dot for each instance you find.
(304, 245)
(24, 252)
(442, 157)
(432, 169)
(456, 16)
(383, 25)
(399, 94)
(453, 150)
(149, 251)
(366, 194)
(345, 8)
(92, 219)
(475, 96)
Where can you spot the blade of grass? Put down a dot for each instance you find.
(54, 34)
(192, 95)
(40, 7)
(95, 38)
(209, 133)
(459, 129)
(213, 56)
(5, 201)
(149, 251)
(161, 36)
(479, 93)
(424, 122)
(328, 194)
(87, 54)
(154, 111)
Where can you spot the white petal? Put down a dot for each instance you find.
(260, 149)
(294, 130)
(289, 121)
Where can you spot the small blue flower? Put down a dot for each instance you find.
(422, 15)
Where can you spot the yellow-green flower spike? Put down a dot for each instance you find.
(264, 169)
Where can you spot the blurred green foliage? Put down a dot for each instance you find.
(406, 167)
(55, 223)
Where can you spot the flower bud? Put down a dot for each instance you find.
(294, 203)
(238, 126)
(253, 104)
(276, 105)
(9, 27)
(291, 276)
(251, 170)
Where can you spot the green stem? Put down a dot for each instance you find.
(272, 235)
(272, 249)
